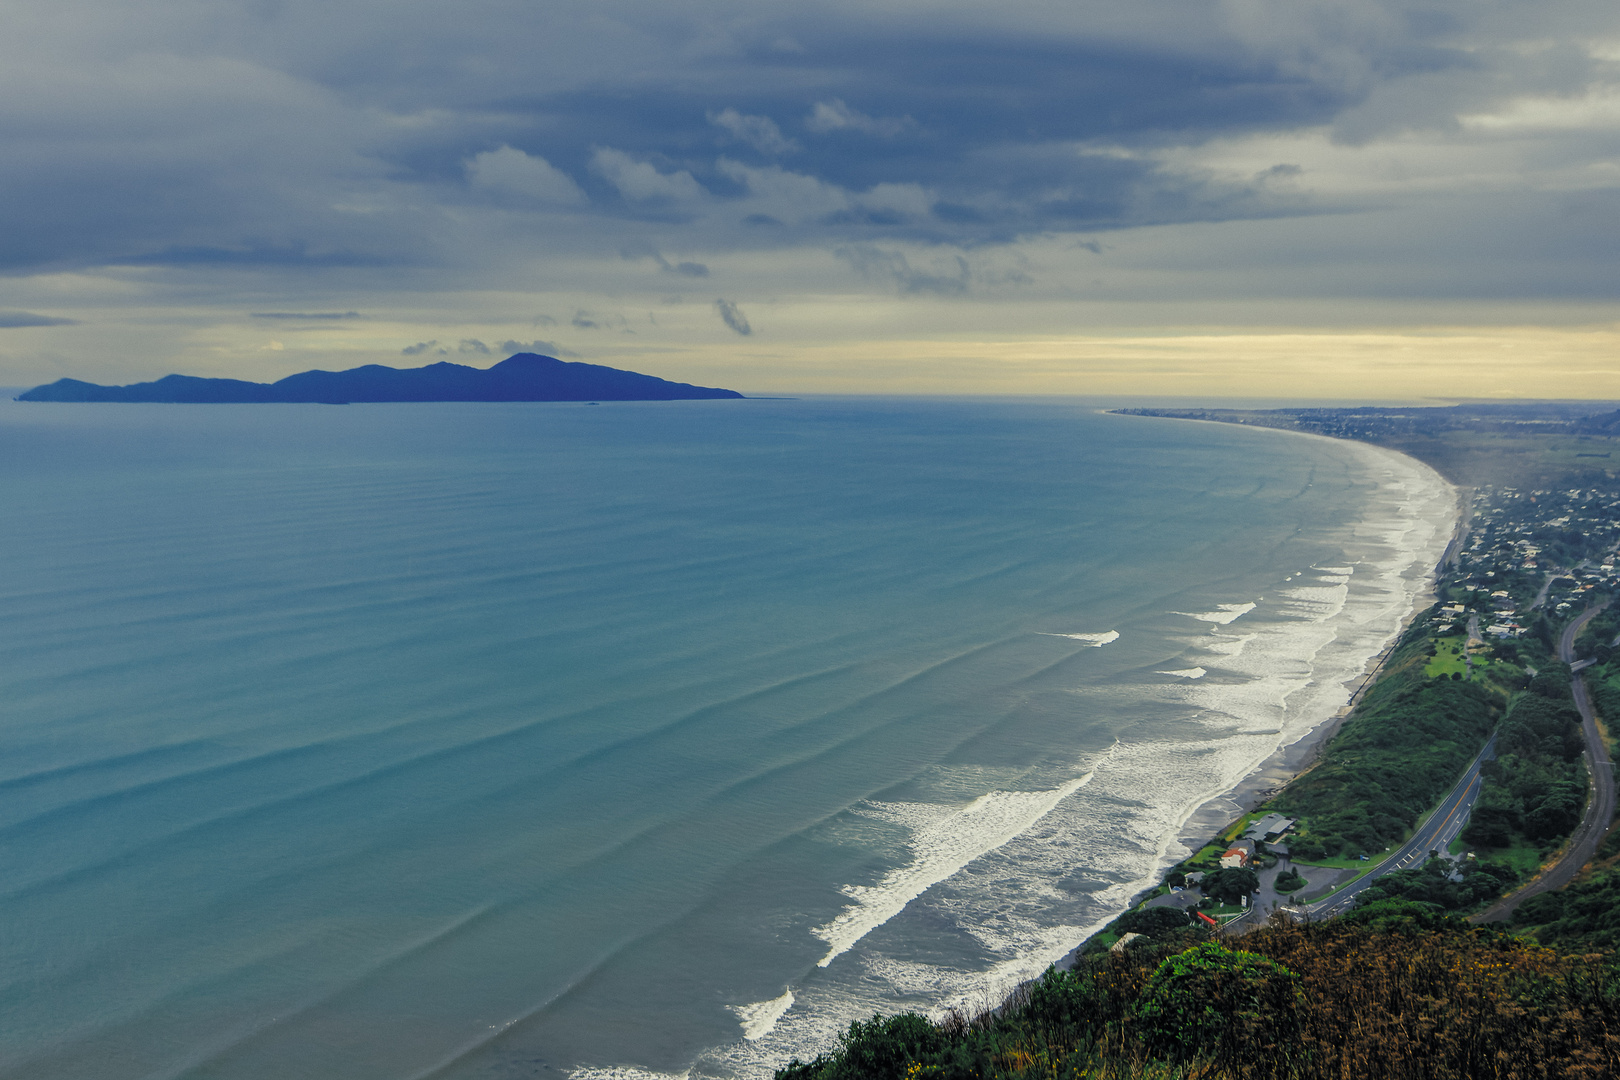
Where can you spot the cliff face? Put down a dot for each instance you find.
(523, 377)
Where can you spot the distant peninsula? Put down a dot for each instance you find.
(522, 377)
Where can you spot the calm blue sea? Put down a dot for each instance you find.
(489, 740)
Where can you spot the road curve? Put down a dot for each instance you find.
(1583, 843)
(1435, 834)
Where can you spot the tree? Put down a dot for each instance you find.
(1215, 1002)
(1231, 883)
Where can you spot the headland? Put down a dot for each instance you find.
(520, 377)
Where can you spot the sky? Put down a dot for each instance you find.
(1355, 199)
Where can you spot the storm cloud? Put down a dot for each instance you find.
(298, 158)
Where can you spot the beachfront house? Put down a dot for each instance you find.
(1241, 853)
(1269, 826)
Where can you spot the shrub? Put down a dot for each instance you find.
(1214, 1002)
(1289, 881)
(1151, 921)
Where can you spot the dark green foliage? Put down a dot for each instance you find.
(882, 1048)
(1542, 726)
(1604, 683)
(1153, 921)
(1218, 1003)
(1404, 748)
(1230, 883)
(1439, 883)
(1582, 916)
(1552, 682)
(1402, 916)
(1289, 881)
(1535, 788)
(1307, 848)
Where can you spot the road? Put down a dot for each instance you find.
(1435, 834)
(1594, 824)
(1546, 584)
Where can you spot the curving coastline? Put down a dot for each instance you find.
(1436, 513)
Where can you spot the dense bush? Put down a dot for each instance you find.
(1153, 921)
(1534, 791)
(1583, 915)
(1403, 749)
(1215, 1003)
(1230, 884)
(1440, 883)
(1337, 1000)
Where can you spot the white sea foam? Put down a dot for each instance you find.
(1223, 613)
(1024, 903)
(760, 1018)
(942, 843)
(624, 1072)
(1187, 673)
(1096, 641)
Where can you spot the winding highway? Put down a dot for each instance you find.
(1583, 843)
(1435, 834)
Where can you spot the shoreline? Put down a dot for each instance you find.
(1292, 760)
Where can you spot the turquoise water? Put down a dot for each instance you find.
(512, 740)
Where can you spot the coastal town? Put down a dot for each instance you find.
(1520, 632)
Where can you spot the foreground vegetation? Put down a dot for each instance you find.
(1394, 991)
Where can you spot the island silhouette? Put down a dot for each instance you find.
(520, 377)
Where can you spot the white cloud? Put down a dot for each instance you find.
(834, 115)
(512, 172)
(760, 132)
(796, 198)
(787, 196)
(640, 181)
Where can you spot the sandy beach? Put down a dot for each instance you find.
(1442, 506)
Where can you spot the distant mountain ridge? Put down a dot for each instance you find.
(521, 377)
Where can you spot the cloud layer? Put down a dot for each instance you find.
(290, 162)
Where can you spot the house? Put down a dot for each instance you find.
(1268, 826)
(1241, 853)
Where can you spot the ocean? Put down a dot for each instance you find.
(630, 740)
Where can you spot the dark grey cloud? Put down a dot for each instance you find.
(473, 345)
(16, 319)
(393, 146)
(646, 251)
(732, 316)
(893, 267)
(424, 346)
(296, 255)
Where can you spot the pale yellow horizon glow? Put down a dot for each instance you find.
(1406, 364)
(864, 345)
